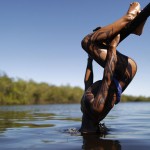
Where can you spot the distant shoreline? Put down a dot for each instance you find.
(21, 92)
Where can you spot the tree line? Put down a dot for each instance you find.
(18, 91)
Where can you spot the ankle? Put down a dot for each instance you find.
(129, 17)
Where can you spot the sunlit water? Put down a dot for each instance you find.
(45, 127)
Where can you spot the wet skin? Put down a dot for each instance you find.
(100, 97)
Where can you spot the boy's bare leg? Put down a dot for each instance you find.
(98, 103)
(107, 32)
(111, 60)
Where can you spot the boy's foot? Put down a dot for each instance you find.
(133, 10)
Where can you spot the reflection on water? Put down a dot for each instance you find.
(47, 127)
(18, 119)
(94, 142)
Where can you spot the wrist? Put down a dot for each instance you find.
(90, 59)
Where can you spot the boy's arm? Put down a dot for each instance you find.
(88, 79)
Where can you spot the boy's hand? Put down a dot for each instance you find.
(115, 41)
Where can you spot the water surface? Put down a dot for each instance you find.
(45, 127)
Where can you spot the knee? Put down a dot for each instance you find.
(94, 39)
(85, 42)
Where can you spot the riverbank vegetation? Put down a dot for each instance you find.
(18, 91)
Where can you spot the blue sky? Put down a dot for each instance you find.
(40, 40)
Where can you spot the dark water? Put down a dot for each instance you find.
(46, 127)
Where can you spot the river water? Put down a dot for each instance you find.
(47, 127)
